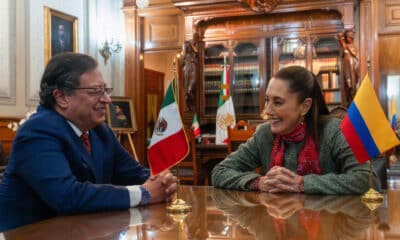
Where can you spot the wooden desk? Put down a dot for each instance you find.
(206, 152)
(208, 155)
(224, 214)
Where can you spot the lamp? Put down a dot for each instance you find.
(108, 48)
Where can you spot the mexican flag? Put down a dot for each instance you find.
(168, 145)
(225, 111)
(196, 126)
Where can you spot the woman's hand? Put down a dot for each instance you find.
(282, 206)
(280, 179)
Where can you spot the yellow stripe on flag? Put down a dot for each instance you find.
(392, 106)
(371, 111)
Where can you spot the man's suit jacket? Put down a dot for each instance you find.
(50, 172)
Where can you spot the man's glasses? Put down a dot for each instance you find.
(96, 91)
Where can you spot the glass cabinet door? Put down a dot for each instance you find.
(245, 87)
(325, 65)
(213, 63)
(292, 51)
(243, 65)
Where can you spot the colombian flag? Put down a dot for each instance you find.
(365, 127)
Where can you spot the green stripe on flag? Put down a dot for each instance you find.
(169, 96)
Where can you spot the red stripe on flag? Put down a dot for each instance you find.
(196, 132)
(168, 152)
(354, 140)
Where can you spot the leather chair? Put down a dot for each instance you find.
(188, 169)
(239, 134)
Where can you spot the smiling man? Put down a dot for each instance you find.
(66, 160)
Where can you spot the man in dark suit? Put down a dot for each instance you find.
(66, 160)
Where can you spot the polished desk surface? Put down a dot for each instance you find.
(224, 214)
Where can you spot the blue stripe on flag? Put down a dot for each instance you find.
(362, 131)
(393, 123)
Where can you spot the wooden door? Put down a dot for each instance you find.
(154, 95)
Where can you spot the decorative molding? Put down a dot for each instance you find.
(162, 32)
(7, 43)
(32, 92)
(261, 6)
(390, 22)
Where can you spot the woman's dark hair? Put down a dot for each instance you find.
(63, 72)
(305, 84)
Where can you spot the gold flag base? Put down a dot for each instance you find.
(179, 206)
(372, 199)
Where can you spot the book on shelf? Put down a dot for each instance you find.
(332, 97)
(325, 80)
(324, 64)
(334, 80)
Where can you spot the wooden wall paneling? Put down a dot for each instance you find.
(164, 37)
(374, 68)
(369, 49)
(389, 44)
(389, 59)
(134, 86)
(365, 33)
(162, 32)
(389, 20)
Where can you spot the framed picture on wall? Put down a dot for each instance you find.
(60, 33)
(120, 115)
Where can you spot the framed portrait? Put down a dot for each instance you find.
(121, 115)
(60, 33)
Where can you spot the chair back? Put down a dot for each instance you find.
(239, 134)
(188, 169)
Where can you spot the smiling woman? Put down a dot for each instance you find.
(300, 149)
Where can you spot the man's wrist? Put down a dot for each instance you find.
(146, 196)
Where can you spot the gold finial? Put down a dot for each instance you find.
(178, 205)
(372, 198)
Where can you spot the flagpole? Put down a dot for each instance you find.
(372, 198)
(178, 205)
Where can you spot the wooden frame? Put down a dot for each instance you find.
(121, 116)
(59, 25)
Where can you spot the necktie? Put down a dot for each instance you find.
(86, 142)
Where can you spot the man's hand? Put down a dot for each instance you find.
(280, 179)
(161, 187)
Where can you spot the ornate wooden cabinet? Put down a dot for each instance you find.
(257, 46)
(320, 53)
(242, 59)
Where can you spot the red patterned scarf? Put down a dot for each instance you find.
(308, 159)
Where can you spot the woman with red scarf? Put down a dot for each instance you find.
(300, 149)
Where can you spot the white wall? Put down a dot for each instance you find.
(22, 22)
(35, 37)
(106, 21)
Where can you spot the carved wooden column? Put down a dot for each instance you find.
(369, 41)
(134, 85)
